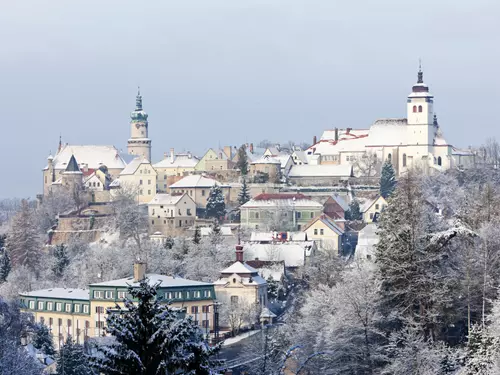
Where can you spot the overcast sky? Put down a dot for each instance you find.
(226, 72)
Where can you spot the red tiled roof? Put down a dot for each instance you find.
(265, 196)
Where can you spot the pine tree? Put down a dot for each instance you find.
(387, 180)
(71, 359)
(481, 349)
(152, 338)
(42, 339)
(244, 194)
(61, 260)
(272, 288)
(216, 207)
(23, 238)
(169, 243)
(197, 235)
(242, 163)
(5, 266)
(354, 211)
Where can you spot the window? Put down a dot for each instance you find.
(203, 193)
(59, 322)
(299, 227)
(69, 323)
(234, 300)
(256, 215)
(315, 232)
(140, 182)
(149, 192)
(49, 306)
(98, 294)
(99, 310)
(420, 108)
(196, 294)
(165, 177)
(32, 305)
(404, 160)
(99, 324)
(371, 215)
(40, 305)
(149, 182)
(86, 309)
(187, 294)
(321, 232)
(67, 307)
(168, 295)
(312, 215)
(178, 295)
(205, 324)
(121, 295)
(77, 307)
(190, 193)
(109, 293)
(58, 306)
(440, 161)
(188, 212)
(414, 109)
(51, 321)
(205, 309)
(206, 293)
(377, 206)
(194, 309)
(299, 215)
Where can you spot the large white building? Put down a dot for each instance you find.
(414, 141)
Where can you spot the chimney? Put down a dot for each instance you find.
(189, 155)
(251, 148)
(348, 130)
(220, 155)
(315, 140)
(239, 253)
(228, 151)
(336, 134)
(172, 155)
(165, 155)
(139, 271)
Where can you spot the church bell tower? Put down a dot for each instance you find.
(139, 144)
(420, 113)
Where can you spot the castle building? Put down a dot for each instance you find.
(414, 141)
(139, 144)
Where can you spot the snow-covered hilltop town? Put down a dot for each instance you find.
(371, 250)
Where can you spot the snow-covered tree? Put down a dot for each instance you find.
(42, 339)
(482, 348)
(354, 211)
(242, 163)
(54, 203)
(61, 260)
(197, 235)
(152, 338)
(216, 206)
(169, 242)
(244, 194)
(5, 265)
(23, 242)
(387, 180)
(215, 233)
(237, 315)
(71, 359)
(272, 288)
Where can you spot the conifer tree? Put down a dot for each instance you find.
(197, 235)
(387, 180)
(5, 265)
(42, 339)
(354, 211)
(242, 163)
(61, 260)
(152, 338)
(23, 239)
(71, 359)
(216, 207)
(169, 243)
(481, 350)
(244, 194)
(216, 233)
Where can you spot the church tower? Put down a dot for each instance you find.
(139, 144)
(420, 114)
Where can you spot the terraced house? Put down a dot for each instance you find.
(82, 313)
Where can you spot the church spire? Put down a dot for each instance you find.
(420, 74)
(138, 100)
(60, 144)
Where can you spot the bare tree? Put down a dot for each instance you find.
(368, 165)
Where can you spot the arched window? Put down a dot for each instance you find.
(420, 108)
(414, 108)
(404, 160)
(439, 160)
(389, 158)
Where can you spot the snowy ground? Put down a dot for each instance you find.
(233, 340)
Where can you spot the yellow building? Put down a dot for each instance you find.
(326, 233)
(139, 176)
(174, 165)
(216, 161)
(372, 209)
(82, 313)
(171, 214)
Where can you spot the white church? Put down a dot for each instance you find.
(415, 141)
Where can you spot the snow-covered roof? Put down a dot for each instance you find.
(224, 230)
(59, 293)
(265, 159)
(367, 240)
(166, 199)
(179, 161)
(329, 134)
(194, 181)
(388, 132)
(165, 281)
(328, 222)
(301, 155)
(132, 167)
(266, 313)
(340, 201)
(283, 159)
(292, 254)
(367, 204)
(92, 156)
(287, 202)
(239, 268)
(321, 170)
